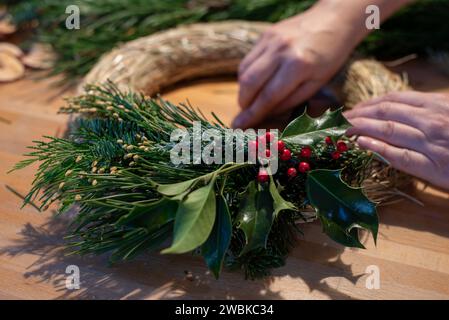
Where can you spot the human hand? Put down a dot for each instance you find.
(410, 130)
(293, 59)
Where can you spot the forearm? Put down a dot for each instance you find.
(351, 15)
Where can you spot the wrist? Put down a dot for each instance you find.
(350, 16)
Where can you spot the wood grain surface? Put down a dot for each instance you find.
(412, 253)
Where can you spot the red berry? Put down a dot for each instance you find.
(336, 155)
(304, 167)
(269, 136)
(263, 176)
(291, 172)
(342, 146)
(328, 140)
(268, 153)
(281, 146)
(286, 155)
(306, 152)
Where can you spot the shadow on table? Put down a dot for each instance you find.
(164, 276)
(431, 216)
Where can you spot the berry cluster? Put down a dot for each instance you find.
(301, 163)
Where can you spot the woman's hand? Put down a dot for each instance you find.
(410, 130)
(292, 60)
(295, 57)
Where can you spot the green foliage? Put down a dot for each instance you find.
(341, 208)
(194, 219)
(216, 246)
(305, 130)
(116, 167)
(107, 23)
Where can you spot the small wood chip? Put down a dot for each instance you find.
(11, 49)
(10, 68)
(6, 27)
(41, 56)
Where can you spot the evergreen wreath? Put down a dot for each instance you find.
(116, 168)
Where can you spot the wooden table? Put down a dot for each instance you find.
(412, 253)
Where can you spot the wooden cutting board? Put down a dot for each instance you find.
(412, 254)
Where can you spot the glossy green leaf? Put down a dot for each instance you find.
(214, 249)
(175, 188)
(256, 216)
(279, 203)
(305, 130)
(338, 234)
(194, 220)
(151, 216)
(341, 208)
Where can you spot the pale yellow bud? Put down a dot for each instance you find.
(94, 183)
(78, 197)
(61, 185)
(68, 173)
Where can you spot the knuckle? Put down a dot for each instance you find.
(247, 80)
(437, 128)
(388, 129)
(281, 41)
(294, 62)
(442, 161)
(406, 158)
(383, 110)
(267, 94)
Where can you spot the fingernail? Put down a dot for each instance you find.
(363, 141)
(350, 132)
(348, 114)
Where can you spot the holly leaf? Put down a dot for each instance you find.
(341, 208)
(194, 219)
(152, 216)
(259, 207)
(305, 130)
(214, 249)
(338, 234)
(279, 203)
